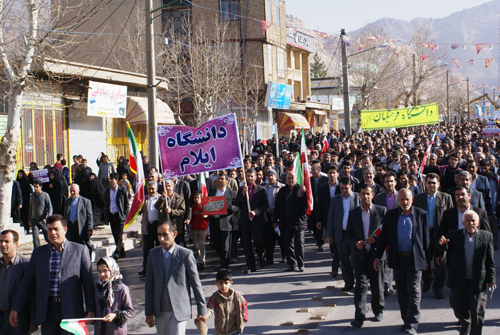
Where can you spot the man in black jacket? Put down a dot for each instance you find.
(362, 225)
(117, 207)
(252, 220)
(317, 180)
(290, 213)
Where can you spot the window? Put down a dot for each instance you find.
(270, 59)
(281, 63)
(270, 11)
(277, 15)
(229, 10)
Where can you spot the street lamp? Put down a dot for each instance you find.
(347, 114)
(468, 103)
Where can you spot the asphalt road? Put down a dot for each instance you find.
(275, 296)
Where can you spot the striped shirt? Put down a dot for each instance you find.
(55, 268)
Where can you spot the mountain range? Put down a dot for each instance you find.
(466, 28)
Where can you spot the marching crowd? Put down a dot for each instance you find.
(398, 212)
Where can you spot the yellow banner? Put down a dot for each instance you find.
(400, 117)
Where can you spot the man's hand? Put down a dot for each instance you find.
(89, 234)
(187, 222)
(168, 210)
(13, 318)
(110, 317)
(304, 189)
(164, 194)
(90, 315)
(443, 240)
(150, 320)
(29, 223)
(50, 186)
(33, 328)
(329, 240)
(426, 267)
(376, 264)
(490, 285)
(19, 206)
(438, 260)
(360, 245)
(318, 225)
(370, 240)
(275, 225)
(203, 318)
(244, 189)
(251, 215)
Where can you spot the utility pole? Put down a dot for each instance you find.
(347, 113)
(414, 81)
(150, 63)
(448, 95)
(468, 103)
(484, 99)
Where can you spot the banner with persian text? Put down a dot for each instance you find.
(400, 117)
(212, 146)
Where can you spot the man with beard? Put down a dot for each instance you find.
(447, 173)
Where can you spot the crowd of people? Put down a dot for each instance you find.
(396, 212)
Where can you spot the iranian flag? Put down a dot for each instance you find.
(135, 162)
(306, 177)
(76, 326)
(427, 152)
(202, 185)
(297, 169)
(325, 143)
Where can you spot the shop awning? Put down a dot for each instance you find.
(311, 117)
(291, 121)
(137, 111)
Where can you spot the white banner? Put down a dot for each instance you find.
(491, 132)
(107, 100)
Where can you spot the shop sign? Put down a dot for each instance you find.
(107, 100)
(278, 95)
(299, 39)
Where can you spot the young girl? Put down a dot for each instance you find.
(199, 226)
(113, 300)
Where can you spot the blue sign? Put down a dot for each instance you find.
(29, 147)
(278, 95)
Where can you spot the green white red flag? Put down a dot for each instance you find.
(76, 327)
(297, 169)
(306, 177)
(202, 185)
(135, 162)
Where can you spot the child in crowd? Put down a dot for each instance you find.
(113, 300)
(125, 183)
(199, 226)
(228, 306)
(413, 185)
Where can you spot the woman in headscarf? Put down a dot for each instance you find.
(124, 167)
(54, 190)
(113, 300)
(22, 178)
(94, 191)
(258, 147)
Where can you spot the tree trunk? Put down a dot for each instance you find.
(8, 151)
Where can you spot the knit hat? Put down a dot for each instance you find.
(273, 172)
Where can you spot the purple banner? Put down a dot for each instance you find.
(212, 146)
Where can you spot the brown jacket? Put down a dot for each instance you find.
(178, 207)
(231, 313)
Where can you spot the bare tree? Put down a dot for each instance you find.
(31, 30)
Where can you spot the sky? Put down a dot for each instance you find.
(332, 15)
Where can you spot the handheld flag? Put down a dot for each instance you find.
(202, 185)
(306, 177)
(421, 170)
(325, 143)
(377, 231)
(297, 169)
(76, 327)
(136, 167)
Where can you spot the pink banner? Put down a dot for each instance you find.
(491, 132)
(212, 146)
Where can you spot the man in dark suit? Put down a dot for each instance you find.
(117, 207)
(172, 207)
(464, 179)
(220, 225)
(340, 205)
(406, 234)
(317, 180)
(181, 187)
(362, 225)
(326, 193)
(16, 202)
(369, 173)
(252, 221)
(280, 170)
(388, 198)
(452, 218)
(434, 203)
(290, 213)
(59, 276)
(471, 257)
(171, 275)
(78, 214)
(482, 184)
(12, 269)
(270, 235)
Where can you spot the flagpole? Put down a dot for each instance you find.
(84, 319)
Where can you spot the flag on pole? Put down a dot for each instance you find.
(297, 169)
(377, 231)
(76, 327)
(325, 143)
(202, 185)
(306, 178)
(427, 153)
(135, 162)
